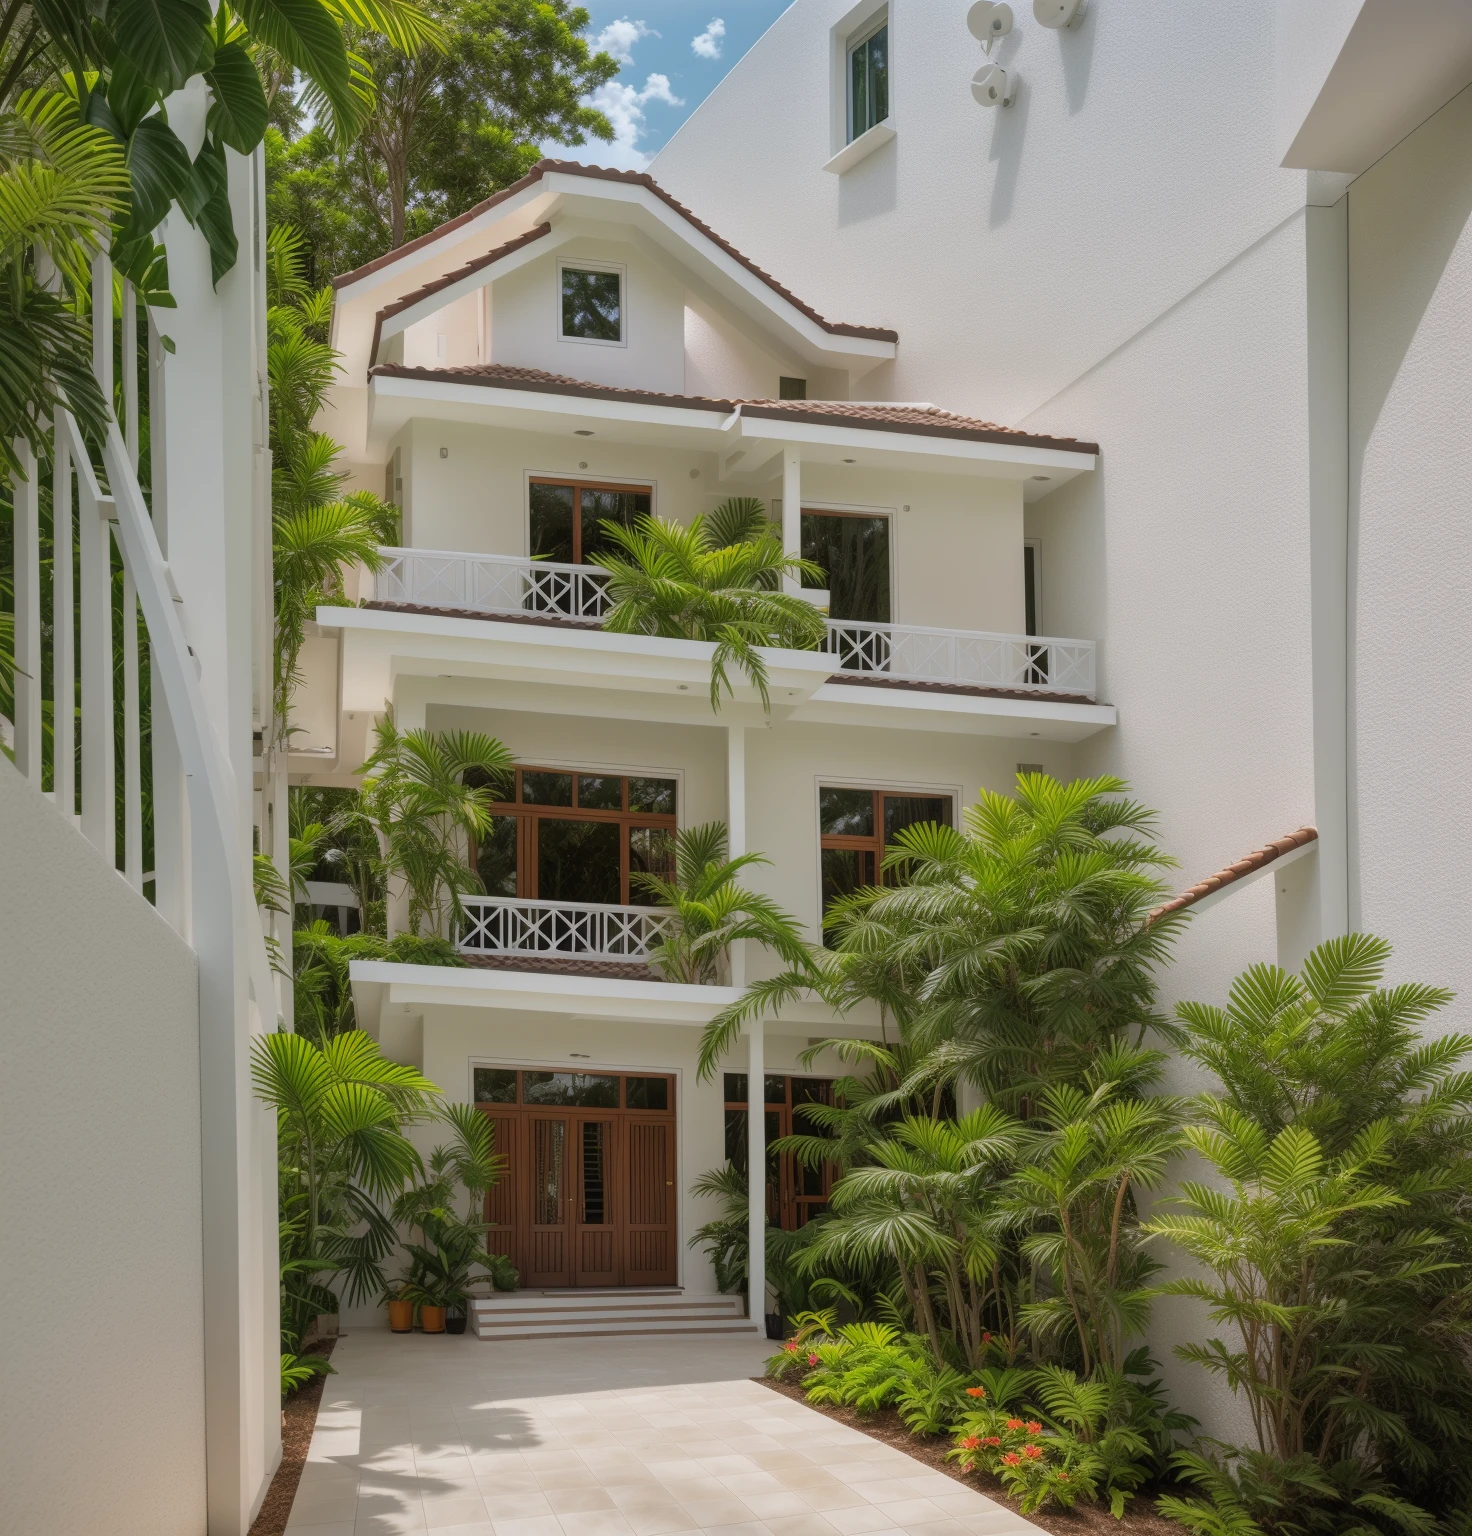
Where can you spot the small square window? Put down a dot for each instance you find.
(792, 389)
(592, 305)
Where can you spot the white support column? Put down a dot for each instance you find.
(736, 825)
(99, 806)
(63, 632)
(791, 511)
(756, 1177)
(28, 618)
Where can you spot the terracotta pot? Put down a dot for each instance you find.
(432, 1319)
(401, 1316)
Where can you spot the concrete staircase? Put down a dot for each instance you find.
(594, 1314)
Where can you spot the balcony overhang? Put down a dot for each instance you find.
(490, 663)
(745, 438)
(388, 996)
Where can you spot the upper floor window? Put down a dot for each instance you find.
(868, 80)
(856, 825)
(567, 517)
(593, 304)
(578, 837)
(853, 550)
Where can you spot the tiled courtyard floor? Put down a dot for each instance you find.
(602, 1437)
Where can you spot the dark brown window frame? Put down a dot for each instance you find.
(629, 488)
(528, 814)
(874, 846)
(788, 1206)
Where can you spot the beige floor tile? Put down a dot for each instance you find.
(808, 1524)
(767, 1505)
(656, 1519)
(743, 1483)
(962, 1501)
(473, 1528)
(574, 1501)
(538, 1525)
(454, 1509)
(595, 1522)
(709, 1514)
(911, 1512)
(311, 1528)
(515, 1506)
(858, 1521)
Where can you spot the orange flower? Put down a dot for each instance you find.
(1014, 1423)
(970, 1443)
(1012, 1459)
(1033, 1427)
(986, 1338)
(790, 1346)
(992, 1440)
(1063, 1477)
(975, 1391)
(1032, 1452)
(812, 1359)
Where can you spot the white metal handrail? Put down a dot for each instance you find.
(1027, 663)
(499, 925)
(437, 578)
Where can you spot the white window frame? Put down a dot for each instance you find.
(576, 265)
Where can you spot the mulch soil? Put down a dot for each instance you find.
(1140, 1517)
(298, 1420)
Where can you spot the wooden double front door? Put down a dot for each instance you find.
(588, 1194)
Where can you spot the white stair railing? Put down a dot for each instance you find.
(200, 870)
(1025, 663)
(497, 925)
(436, 578)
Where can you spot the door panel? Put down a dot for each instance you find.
(548, 1262)
(650, 1245)
(501, 1199)
(594, 1228)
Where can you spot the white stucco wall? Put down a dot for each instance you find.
(101, 1419)
(526, 319)
(1410, 286)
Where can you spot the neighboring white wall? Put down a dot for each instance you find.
(459, 324)
(1011, 248)
(1410, 287)
(526, 320)
(723, 360)
(101, 1420)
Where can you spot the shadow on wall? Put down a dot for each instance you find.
(1008, 134)
(871, 188)
(1078, 60)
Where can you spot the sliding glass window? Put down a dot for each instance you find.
(868, 81)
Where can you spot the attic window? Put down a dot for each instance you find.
(792, 389)
(592, 305)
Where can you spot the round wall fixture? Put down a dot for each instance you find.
(1059, 14)
(992, 86)
(1042, 477)
(582, 432)
(987, 21)
(582, 463)
(695, 474)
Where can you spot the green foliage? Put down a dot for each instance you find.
(298, 1370)
(321, 958)
(711, 911)
(674, 580)
(1335, 1246)
(341, 1110)
(424, 793)
(450, 125)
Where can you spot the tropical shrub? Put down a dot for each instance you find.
(424, 793)
(1034, 1466)
(1335, 1248)
(341, 1113)
(710, 911)
(323, 993)
(678, 581)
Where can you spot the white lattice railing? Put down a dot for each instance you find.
(510, 584)
(497, 925)
(1030, 663)
(434, 578)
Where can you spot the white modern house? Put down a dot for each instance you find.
(584, 348)
(1124, 402)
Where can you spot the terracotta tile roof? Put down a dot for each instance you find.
(876, 680)
(917, 420)
(559, 965)
(441, 283)
(1258, 859)
(630, 178)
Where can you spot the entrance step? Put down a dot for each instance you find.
(592, 1314)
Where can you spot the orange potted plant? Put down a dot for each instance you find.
(400, 1308)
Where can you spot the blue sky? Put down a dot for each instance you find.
(673, 53)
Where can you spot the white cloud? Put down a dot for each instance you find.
(623, 106)
(707, 44)
(619, 37)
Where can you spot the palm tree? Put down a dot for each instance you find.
(930, 1203)
(425, 793)
(680, 582)
(710, 911)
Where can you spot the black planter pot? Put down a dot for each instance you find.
(454, 1322)
(774, 1325)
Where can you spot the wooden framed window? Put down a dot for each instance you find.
(564, 835)
(795, 1192)
(566, 517)
(856, 825)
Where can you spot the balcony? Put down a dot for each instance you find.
(510, 927)
(508, 586)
